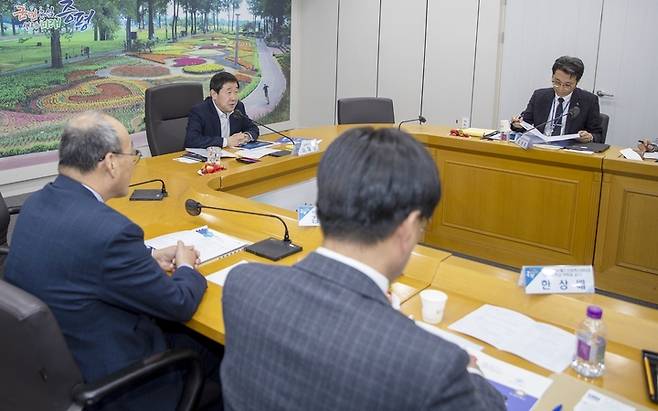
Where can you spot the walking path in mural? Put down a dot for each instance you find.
(271, 74)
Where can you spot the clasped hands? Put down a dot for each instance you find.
(238, 139)
(170, 258)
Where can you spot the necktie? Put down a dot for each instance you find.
(557, 127)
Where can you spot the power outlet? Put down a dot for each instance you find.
(465, 122)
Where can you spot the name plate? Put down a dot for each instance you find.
(525, 141)
(557, 279)
(307, 216)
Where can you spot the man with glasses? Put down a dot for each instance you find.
(110, 293)
(553, 104)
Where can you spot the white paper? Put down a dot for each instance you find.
(579, 151)
(219, 277)
(630, 154)
(543, 344)
(186, 160)
(595, 401)
(532, 130)
(653, 156)
(256, 152)
(463, 343)
(512, 376)
(204, 152)
(208, 242)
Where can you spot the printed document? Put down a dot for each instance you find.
(210, 243)
(537, 133)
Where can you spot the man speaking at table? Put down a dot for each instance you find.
(551, 105)
(89, 264)
(220, 120)
(322, 335)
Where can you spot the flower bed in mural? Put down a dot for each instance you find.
(155, 57)
(80, 74)
(242, 77)
(14, 120)
(188, 61)
(140, 70)
(212, 46)
(204, 68)
(101, 94)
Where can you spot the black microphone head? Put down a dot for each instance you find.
(422, 119)
(238, 113)
(192, 207)
(574, 112)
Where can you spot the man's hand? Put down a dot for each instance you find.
(584, 137)
(238, 139)
(165, 257)
(186, 255)
(516, 121)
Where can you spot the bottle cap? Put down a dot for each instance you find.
(595, 312)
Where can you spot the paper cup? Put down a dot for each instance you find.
(434, 303)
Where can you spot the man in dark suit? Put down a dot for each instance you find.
(547, 104)
(322, 335)
(89, 264)
(220, 120)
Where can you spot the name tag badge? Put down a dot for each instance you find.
(307, 216)
(557, 279)
(525, 141)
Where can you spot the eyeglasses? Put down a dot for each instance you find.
(559, 84)
(136, 153)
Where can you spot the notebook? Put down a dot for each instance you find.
(210, 243)
(593, 147)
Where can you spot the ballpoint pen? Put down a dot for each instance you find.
(647, 368)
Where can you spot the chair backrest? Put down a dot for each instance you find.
(167, 107)
(359, 110)
(38, 371)
(605, 120)
(4, 220)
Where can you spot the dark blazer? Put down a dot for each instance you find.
(203, 128)
(89, 264)
(589, 119)
(322, 336)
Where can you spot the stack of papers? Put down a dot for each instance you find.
(543, 344)
(208, 242)
(533, 131)
(219, 277)
(256, 152)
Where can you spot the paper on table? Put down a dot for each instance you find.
(512, 376)
(595, 401)
(448, 336)
(219, 277)
(185, 160)
(208, 242)
(653, 156)
(256, 152)
(508, 330)
(532, 130)
(204, 152)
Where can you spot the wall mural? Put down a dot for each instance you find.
(59, 58)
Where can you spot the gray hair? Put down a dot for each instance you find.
(86, 140)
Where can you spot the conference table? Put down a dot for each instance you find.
(468, 283)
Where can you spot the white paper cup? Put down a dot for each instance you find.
(434, 303)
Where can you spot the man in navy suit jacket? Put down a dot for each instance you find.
(544, 105)
(89, 264)
(220, 120)
(322, 335)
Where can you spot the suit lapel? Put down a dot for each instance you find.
(545, 107)
(212, 112)
(573, 125)
(343, 275)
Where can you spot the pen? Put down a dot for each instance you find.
(647, 368)
(558, 407)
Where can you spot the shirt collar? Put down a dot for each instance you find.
(566, 98)
(94, 192)
(220, 113)
(377, 277)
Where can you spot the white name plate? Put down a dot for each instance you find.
(557, 279)
(307, 216)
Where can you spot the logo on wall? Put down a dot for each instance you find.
(45, 18)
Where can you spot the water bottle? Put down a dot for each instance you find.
(590, 345)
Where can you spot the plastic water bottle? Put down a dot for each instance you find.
(590, 344)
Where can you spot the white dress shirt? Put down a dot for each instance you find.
(224, 124)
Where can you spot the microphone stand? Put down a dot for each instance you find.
(150, 194)
(270, 248)
(420, 119)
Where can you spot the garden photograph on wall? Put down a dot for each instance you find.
(62, 57)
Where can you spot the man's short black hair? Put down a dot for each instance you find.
(370, 180)
(218, 80)
(573, 66)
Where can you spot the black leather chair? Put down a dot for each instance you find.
(38, 371)
(167, 107)
(5, 218)
(358, 110)
(605, 120)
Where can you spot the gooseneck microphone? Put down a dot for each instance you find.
(270, 248)
(238, 113)
(148, 195)
(420, 119)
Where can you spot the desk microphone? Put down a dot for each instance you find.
(148, 195)
(238, 113)
(270, 248)
(420, 119)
